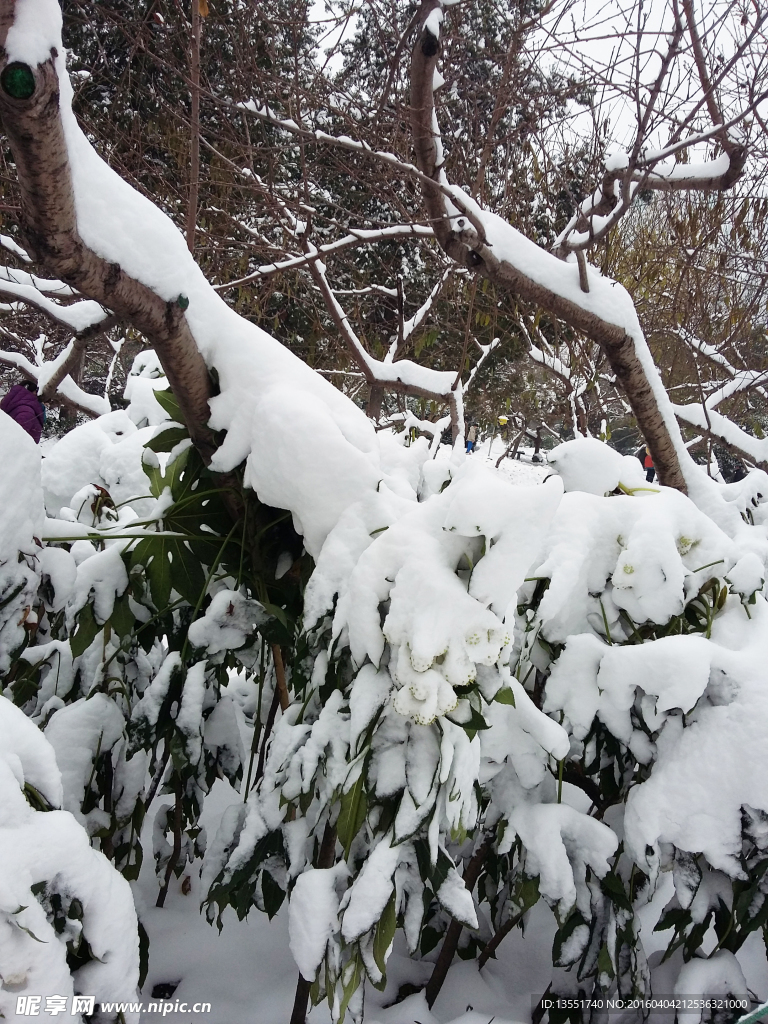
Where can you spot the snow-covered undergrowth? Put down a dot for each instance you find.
(67, 919)
(536, 669)
(557, 690)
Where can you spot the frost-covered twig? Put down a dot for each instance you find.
(404, 375)
(740, 379)
(67, 391)
(355, 237)
(501, 254)
(485, 351)
(626, 173)
(51, 376)
(575, 385)
(410, 325)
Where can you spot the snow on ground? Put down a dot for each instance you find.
(520, 470)
(248, 975)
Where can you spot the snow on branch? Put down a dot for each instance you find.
(628, 172)
(41, 150)
(355, 237)
(485, 351)
(12, 246)
(488, 245)
(401, 375)
(407, 327)
(77, 316)
(66, 389)
(264, 113)
(404, 375)
(739, 380)
(713, 424)
(51, 287)
(87, 318)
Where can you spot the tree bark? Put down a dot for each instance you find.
(49, 225)
(75, 357)
(301, 1001)
(469, 250)
(375, 399)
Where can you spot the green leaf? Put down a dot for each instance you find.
(167, 401)
(272, 893)
(29, 933)
(354, 807)
(152, 553)
(353, 972)
(122, 617)
(385, 933)
(143, 954)
(158, 481)
(613, 887)
(85, 632)
(167, 440)
(429, 939)
(505, 696)
(276, 613)
(155, 476)
(187, 574)
(528, 893)
(604, 962)
(561, 945)
(676, 918)
(175, 472)
(475, 724)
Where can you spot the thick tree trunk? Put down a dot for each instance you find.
(375, 399)
(49, 224)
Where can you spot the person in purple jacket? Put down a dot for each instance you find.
(22, 404)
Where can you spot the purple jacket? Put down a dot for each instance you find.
(24, 407)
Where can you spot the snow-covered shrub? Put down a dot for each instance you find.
(21, 519)
(533, 679)
(62, 902)
(132, 626)
(516, 684)
(67, 921)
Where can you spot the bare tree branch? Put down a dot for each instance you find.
(49, 225)
(468, 249)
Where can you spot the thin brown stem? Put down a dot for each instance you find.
(176, 852)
